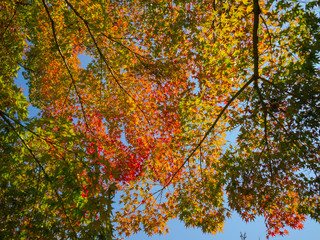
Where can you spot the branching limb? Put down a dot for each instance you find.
(6, 28)
(52, 143)
(88, 128)
(275, 86)
(296, 142)
(137, 55)
(41, 167)
(254, 78)
(105, 59)
(208, 131)
(65, 63)
(122, 45)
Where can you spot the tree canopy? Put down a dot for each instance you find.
(146, 120)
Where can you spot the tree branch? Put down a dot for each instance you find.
(255, 39)
(41, 167)
(105, 59)
(209, 130)
(65, 62)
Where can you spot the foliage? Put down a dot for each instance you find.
(146, 120)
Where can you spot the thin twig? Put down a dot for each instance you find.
(270, 41)
(265, 111)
